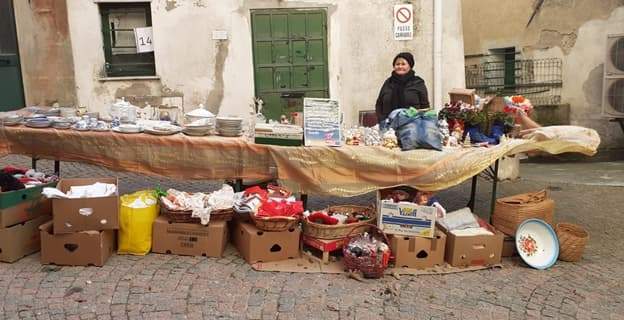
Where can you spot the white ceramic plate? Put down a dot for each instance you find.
(137, 130)
(537, 244)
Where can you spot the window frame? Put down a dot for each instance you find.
(146, 60)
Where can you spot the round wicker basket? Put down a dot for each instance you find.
(372, 266)
(572, 241)
(185, 216)
(274, 224)
(340, 231)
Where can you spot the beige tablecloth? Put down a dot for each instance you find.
(342, 171)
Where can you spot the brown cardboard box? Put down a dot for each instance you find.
(76, 249)
(256, 245)
(465, 95)
(22, 205)
(418, 252)
(473, 250)
(189, 238)
(85, 214)
(509, 247)
(21, 240)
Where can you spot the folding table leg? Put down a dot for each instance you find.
(34, 162)
(57, 168)
(494, 185)
(238, 187)
(304, 199)
(473, 193)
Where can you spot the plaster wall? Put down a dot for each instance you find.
(219, 73)
(45, 52)
(574, 31)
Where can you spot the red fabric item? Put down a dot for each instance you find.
(322, 218)
(14, 170)
(280, 209)
(256, 190)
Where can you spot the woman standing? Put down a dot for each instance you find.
(403, 89)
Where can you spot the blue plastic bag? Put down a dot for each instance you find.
(418, 132)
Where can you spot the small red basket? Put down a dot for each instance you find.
(372, 266)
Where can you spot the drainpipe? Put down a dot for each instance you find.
(437, 53)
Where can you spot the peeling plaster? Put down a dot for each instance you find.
(592, 87)
(171, 4)
(553, 38)
(215, 97)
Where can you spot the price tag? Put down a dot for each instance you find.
(144, 39)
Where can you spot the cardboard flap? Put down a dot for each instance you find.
(46, 227)
(65, 184)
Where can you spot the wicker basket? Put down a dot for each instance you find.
(572, 241)
(274, 224)
(330, 232)
(510, 212)
(186, 215)
(370, 266)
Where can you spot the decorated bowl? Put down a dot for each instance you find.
(537, 244)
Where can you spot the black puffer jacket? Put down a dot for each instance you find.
(415, 96)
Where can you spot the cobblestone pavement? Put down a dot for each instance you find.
(175, 287)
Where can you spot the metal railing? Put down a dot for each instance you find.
(540, 80)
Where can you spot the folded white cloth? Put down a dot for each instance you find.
(472, 232)
(95, 190)
(459, 219)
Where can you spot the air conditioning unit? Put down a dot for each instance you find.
(613, 85)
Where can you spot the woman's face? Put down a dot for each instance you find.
(401, 66)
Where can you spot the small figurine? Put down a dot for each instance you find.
(467, 142)
(284, 120)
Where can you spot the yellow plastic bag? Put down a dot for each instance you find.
(135, 224)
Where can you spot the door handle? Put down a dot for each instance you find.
(292, 95)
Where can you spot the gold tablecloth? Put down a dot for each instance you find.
(342, 171)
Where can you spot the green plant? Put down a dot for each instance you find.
(159, 192)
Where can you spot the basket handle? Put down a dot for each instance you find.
(279, 190)
(374, 227)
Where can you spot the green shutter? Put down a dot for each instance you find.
(290, 58)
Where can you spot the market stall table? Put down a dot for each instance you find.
(337, 171)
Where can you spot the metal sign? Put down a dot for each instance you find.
(403, 22)
(144, 39)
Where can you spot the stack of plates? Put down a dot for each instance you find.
(60, 122)
(54, 112)
(128, 128)
(163, 130)
(229, 126)
(200, 127)
(38, 123)
(11, 120)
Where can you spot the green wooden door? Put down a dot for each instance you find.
(290, 58)
(11, 90)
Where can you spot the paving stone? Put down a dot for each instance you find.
(158, 286)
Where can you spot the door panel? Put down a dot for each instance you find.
(290, 58)
(279, 26)
(281, 52)
(11, 90)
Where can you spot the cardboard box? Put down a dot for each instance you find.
(85, 214)
(76, 249)
(483, 250)
(418, 252)
(407, 219)
(465, 95)
(22, 205)
(255, 245)
(189, 239)
(21, 240)
(509, 247)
